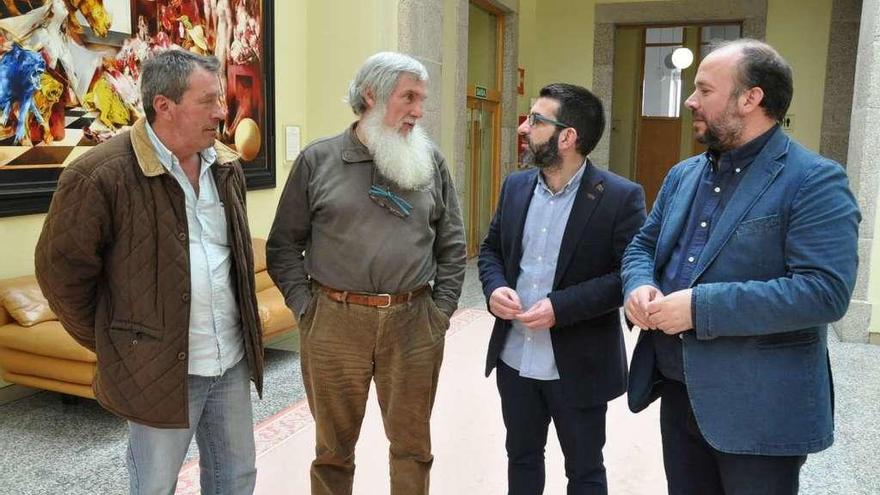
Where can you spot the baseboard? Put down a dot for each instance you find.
(11, 393)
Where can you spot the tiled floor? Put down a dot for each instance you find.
(47, 447)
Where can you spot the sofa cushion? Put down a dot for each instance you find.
(259, 246)
(46, 339)
(23, 300)
(274, 314)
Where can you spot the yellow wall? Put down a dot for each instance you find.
(449, 99)
(803, 40)
(527, 49)
(627, 86)
(482, 34)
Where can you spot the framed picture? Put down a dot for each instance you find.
(69, 81)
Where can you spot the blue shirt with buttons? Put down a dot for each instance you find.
(215, 341)
(531, 351)
(720, 178)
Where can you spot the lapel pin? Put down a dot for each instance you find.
(591, 195)
(600, 187)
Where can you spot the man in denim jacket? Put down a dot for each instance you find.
(748, 253)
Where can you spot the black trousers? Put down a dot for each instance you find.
(693, 467)
(527, 406)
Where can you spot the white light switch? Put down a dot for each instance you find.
(291, 142)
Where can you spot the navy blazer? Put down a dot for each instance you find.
(587, 342)
(777, 268)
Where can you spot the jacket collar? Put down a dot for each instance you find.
(353, 150)
(148, 159)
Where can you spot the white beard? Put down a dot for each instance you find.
(405, 160)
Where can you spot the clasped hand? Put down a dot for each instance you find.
(504, 303)
(649, 309)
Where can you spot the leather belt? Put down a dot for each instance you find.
(374, 300)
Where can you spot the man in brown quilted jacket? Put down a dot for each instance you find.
(146, 259)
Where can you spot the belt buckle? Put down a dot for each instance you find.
(384, 305)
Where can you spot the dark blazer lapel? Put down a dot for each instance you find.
(588, 195)
(518, 201)
(759, 176)
(677, 211)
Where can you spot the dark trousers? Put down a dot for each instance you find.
(693, 467)
(527, 406)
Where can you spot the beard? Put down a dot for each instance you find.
(407, 161)
(545, 155)
(723, 133)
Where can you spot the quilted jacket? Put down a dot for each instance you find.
(113, 261)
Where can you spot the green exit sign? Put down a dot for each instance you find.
(481, 92)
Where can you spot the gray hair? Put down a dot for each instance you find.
(380, 73)
(167, 74)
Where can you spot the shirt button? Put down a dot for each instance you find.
(738, 170)
(703, 224)
(185, 297)
(529, 338)
(544, 229)
(181, 356)
(717, 189)
(534, 286)
(691, 259)
(681, 336)
(540, 258)
(181, 236)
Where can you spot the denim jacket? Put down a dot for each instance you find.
(778, 267)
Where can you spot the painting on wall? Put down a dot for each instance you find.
(69, 73)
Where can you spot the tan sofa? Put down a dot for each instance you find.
(35, 351)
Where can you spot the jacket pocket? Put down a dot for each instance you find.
(788, 339)
(758, 225)
(136, 328)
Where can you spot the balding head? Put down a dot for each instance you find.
(758, 65)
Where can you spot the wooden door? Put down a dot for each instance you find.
(658, 150)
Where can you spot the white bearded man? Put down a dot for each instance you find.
(368, 249)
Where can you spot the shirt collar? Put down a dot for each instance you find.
(167, 158)
(572, 183)
(743, 156)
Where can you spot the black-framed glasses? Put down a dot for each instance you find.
(534, 118)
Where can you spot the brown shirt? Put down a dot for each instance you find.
(329, 229)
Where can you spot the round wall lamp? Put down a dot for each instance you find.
(682, 58)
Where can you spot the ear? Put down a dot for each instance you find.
(568, 138)
(162, 105)
(751, 99)
(370, 98)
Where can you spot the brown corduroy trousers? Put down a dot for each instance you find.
(345, 346)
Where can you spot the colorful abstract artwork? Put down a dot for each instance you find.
(69, 74)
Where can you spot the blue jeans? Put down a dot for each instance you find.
(221, 417)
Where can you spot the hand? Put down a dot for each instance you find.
(504, 303)
(672, 314)
(540, 315)
(636, 306)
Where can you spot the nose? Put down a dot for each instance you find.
(418, 110)
(691, 102)
(524, 128)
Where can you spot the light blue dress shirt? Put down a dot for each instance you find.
(530, 351)
(215, 340)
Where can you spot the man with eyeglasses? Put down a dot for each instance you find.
(550, 272)
(367, 220)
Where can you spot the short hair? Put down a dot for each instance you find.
(580, 109)
(167, 74)
(761, 66)
(380, 73)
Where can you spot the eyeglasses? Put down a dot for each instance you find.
(390, 201)
(534, 118)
